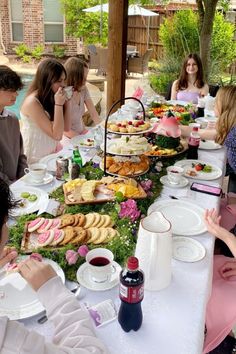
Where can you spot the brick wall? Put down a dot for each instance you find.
(33, 28)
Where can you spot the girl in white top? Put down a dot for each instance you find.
(42, 112)
(77, 72)
(73, 332)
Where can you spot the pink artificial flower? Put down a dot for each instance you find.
(146, 184)
(71, 257)
(83, 250)
(129, 210)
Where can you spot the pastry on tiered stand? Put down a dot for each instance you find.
(128, 127)
(127, 166)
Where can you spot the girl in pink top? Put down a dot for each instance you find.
(221, 307)
(77, 72)
(190, 85)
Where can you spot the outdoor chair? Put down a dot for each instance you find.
(139, 64)
(102, 54)
(93, 57)
(131, 48)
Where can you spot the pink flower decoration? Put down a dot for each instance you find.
(146, 184)
(129, 210)
(83, 250)
(71, 257)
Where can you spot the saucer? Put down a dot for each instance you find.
(47, 179)
(183, 182)
(187, 249)
(83, 279)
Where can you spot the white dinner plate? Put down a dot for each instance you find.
(209, 145)
(84, 279)
(50, 161)
(186, 218)
(47, 179)
(179, 102)
(206, 176)
(17, 299)
(113, 144)
(165, 181)
(81, 140)
(187, 249)
(29, 207)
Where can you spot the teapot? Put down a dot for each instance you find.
(154, 250)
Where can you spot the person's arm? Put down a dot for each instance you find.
(174, 90)
(22, 160)
(33, 109)
(92, 111)
(212, 221)
(73, 328)
(205, 134)
(205, 90)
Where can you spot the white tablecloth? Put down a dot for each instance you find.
(174, 318)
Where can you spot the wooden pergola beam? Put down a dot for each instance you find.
(117, 41)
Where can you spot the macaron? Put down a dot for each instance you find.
(35, 224)
(45, 226)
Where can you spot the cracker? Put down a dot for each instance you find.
(97, 218)
(107, 220)
(94, 234)
(103, 235)
(89, 219)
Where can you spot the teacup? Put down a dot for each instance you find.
(202, 121)
(100, 266)
(37, 171)
(174, 174)
(198, 125)
(69, 91)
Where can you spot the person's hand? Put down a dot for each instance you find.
(36, 273)
(228, 269)
(212, 221)
(60, 96)
(9, 254)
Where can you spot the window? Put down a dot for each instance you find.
(53, 21)
(16, 20)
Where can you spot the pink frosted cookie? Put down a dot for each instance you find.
(35, 224)
(45, 226)
(58, 237)
(45, 238)
(36, 257)
(55, 224)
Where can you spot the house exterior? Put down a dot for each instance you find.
(34, 22)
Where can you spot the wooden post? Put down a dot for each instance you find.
(117, 41)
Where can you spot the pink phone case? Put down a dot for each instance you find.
(204, 188)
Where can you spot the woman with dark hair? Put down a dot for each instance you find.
(73, 332)
(190, 84)
(77, 72)
(42, 112)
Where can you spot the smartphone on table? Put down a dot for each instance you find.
(205, 188)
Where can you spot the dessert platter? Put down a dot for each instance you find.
(127, 146)
(199, 169)
(82, 191)
(157, 151)
(126, 127)
(126, 166)
(76, 229)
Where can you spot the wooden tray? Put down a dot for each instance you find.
(102, 198)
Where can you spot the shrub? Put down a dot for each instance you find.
(21, 50)
(37, 52)
(58, 51)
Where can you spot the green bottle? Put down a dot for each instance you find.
(77, 157)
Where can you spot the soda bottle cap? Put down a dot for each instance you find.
(132, 263)
(195, 129)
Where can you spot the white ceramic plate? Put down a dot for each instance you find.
(50, 161)
(84, 279)
(29, 207)
(179, 102)
(206, 176)
(209, 145)
(183, 182)
(113, 143)
(186, 218)
(187, 249)
(18, 300)
(79, 141)
(47, 179)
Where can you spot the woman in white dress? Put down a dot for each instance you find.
(77, 72)
(42, 112)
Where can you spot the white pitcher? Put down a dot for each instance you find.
(154, 250)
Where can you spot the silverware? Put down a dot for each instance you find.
(44, 318)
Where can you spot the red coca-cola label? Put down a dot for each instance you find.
(131, 294)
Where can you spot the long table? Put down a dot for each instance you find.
(174, 317)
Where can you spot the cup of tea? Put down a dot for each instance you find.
(174, 174)
(100, 266)
(69, 91)
(37, 171)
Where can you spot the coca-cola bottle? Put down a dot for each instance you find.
(193, 144)
(131, 294)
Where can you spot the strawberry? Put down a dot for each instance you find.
(199, 167)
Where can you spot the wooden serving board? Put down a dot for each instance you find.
(101, 198)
